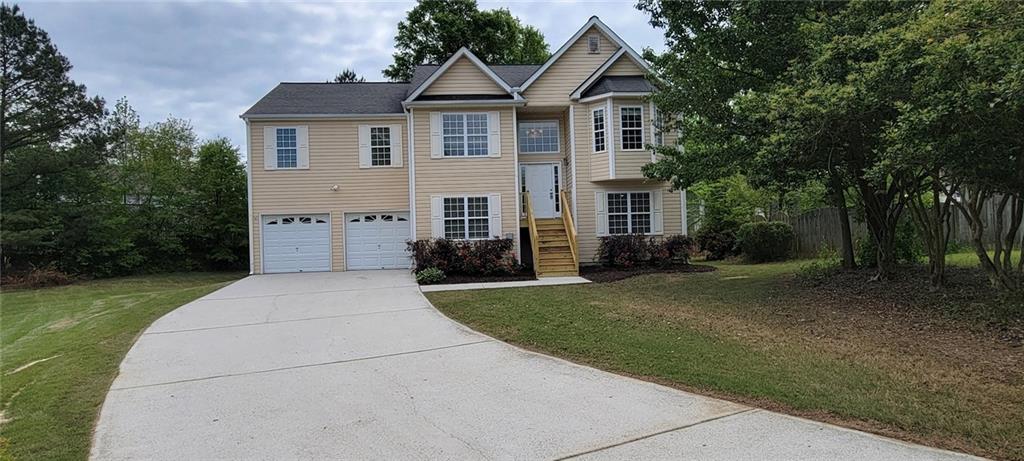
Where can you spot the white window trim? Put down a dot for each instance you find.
(465, 218)
(277, 165)
(629, 211)
(391, 154)
(558, 136)
(622, 130)
(604, 130)
(465, 134)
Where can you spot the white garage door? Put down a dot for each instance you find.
(296, 243)
(377, 241)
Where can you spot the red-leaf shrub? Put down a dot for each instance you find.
(634, 250)
(465, 257)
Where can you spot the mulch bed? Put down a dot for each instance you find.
(603, 274)
(453, 279)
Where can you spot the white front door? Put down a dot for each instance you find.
(540, 182)
(377, 240)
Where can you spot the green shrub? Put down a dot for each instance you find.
(828, 263)
(465, 257)
(766, 241)
(908, 247)
(430, 276)
(717, 244)
(633, 250)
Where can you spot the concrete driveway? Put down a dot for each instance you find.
(358, 365)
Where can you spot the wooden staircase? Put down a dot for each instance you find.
(553, 242)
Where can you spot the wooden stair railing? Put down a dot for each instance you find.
(570, 228)
(534, 236)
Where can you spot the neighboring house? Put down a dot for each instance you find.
(348, 172)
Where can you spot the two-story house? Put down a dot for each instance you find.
(342, 175)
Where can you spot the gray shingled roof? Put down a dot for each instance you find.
(332, 98)
(618, 84)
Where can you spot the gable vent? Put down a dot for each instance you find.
(593, 44)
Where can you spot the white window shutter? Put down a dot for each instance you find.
(435, 135)
(436, 217)
(396, 145)
(601, 205)
(364, 146)
(494, 134)
(302, 135)
(269, 148)
(658, 220)
(494, 211)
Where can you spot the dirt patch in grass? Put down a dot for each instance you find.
(604, 274)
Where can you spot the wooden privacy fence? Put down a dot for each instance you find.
(817, 229)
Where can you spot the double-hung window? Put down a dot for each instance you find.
(287, 148)
(538, 137)
(599, 130)
(631, 125)
(464, 134)
(380, 146)
(466, 218)
(629, 213)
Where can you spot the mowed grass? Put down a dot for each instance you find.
(750, 333)
(61, 348)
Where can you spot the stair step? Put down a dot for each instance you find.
(559, 274)
(559, 261)
(561, 243)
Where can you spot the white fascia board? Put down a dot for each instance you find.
(463, 52)
(593, 22)
(319, 116)
(478, 102)
(600, 71)
(636, 94)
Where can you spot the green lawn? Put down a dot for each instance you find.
(61, 349)
(752, 333)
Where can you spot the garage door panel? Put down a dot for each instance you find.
(377, 241)
(296, 243)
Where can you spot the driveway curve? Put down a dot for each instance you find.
(359, 365)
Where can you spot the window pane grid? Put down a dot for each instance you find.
(598, 122)
(464, 134)
(466, 218)
(287, 148)
(538, 137)
(380, 146)
(632, 125)
(629, 213)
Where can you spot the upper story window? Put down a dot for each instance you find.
(466, 218)
(287, 148)
(659, 125)
(540, 137)
(631, 125)
(629, 213)
(593, 44)
(598, 126)
(464, 134)
(380, 146)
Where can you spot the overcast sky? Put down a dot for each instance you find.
(208, 62)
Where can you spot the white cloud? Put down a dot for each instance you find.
(208, 62)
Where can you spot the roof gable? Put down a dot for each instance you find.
(463, 78)
(619, 64)
(594, 22)
(463, 53)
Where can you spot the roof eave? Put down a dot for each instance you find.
(319, 116)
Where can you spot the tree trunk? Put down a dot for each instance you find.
(998, 268)
(839, 201)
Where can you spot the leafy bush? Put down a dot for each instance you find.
(430, 276)
(827, 264)
(716, 244)
(635, 250)
(37, 278)
(908, 246)
(465, 257)
(766, 241)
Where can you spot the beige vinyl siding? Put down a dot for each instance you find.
(333, 159)
(588, 239)
(464, 175)
(624, 66)
(585, 218)
(463, 77)
(557, 83)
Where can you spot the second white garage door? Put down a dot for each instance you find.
(377, 241)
